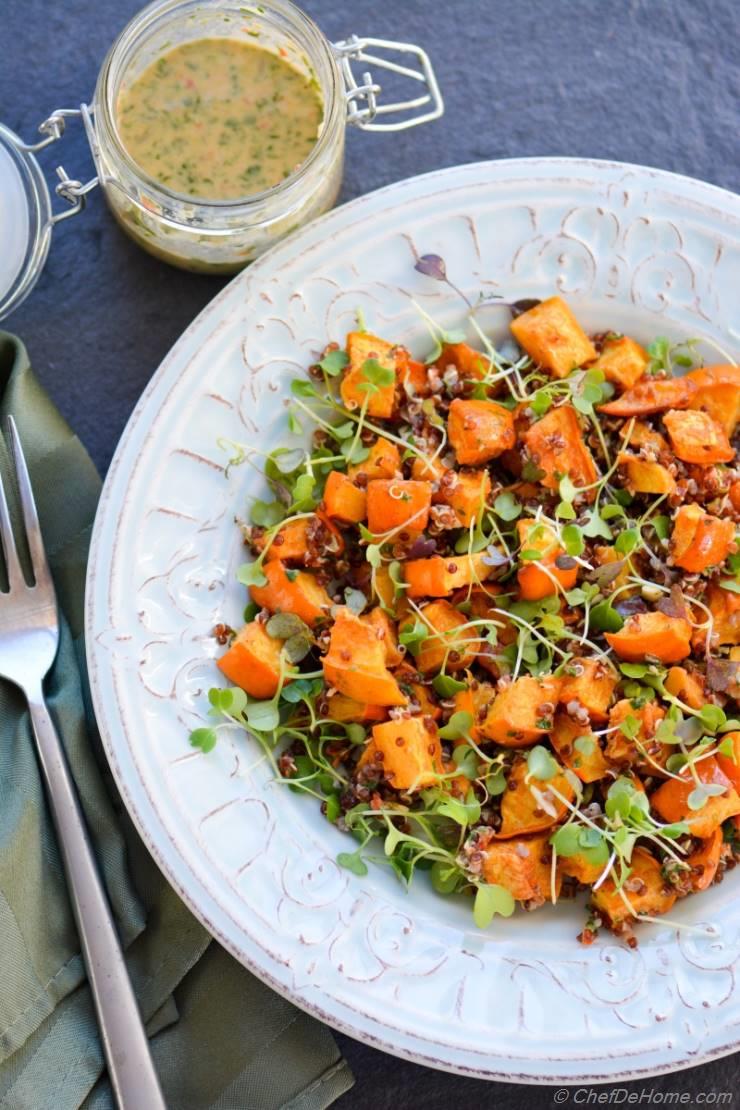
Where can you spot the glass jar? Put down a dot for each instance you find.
(209, 235)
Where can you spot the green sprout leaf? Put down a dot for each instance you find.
(540, 764)
(333, 363)
(491, 899)
(458, 726)
(352, 861)
(604, 618)
(507, 507)
(250, 574)
(204, 738)
(447, 686)
(262, 716)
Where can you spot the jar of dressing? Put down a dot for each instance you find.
(216, 128)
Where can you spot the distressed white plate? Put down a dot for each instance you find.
(632, 249)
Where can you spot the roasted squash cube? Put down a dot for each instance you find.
(395, 505)
(253, 661)
(361, 346)
(355, 663)
(479, 431)
(552, 337)
(412, 755)
(556, 446)
(523, 711)
(622, 361)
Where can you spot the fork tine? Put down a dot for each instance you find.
(12, 563)
(39, 564)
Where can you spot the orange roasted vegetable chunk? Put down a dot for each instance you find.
(355, 662)
(384, 461)
(622, 361)
(293, 542)
(730, 765)
(522, 711)
(412, 375)
(651, 395)
(419, 694)
(642, 750)
(429, 469)
(725, 609)
(671, 800)
(412, 756)
(471, 364)
(577, 747)
(348, 710)
(253, 661)
(590, 682)
(697, 438)
(556, 445)
(639, 434)
(394, 504)
(652, 634)
(542, 577)
(291, 592)
(700, 540)
(704, 861)
(520, 866)
(530, 807)
(653, 896)
(718, 393)
(439, 575)
(361, 346)
(479, 431)
(580, 868)
(467, 494)
(385, 630)
(551, 336)
(445, 646)
(643, 476)
(343, 500)
(686, 686)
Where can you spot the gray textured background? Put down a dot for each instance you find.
(649, 81)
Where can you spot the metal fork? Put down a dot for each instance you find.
(29, 638)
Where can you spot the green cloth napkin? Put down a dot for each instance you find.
(220, 1038)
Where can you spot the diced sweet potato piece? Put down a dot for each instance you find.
(577, 747)
(552, 337)
(642, 750)
(439, 575)
(479, 431)
(295, 540)
(384, 461)
(622, 361)
(291, 592)
(543, 577)
(605, 555)
(686, 686)
(700, 540)
(718, 393)
(253, 661)
(467, 495)
(639, 434)
(361, 346)
(521, 866)
(412, 375)
(697, 438)
(355, 662)
(730, 765)
(579, 867)
(531, 807)
(657, 635)
(343, 500)
(556, 445)
(395, 505)
(472, 365)
(523, 711)
(428, 469)
(475, 701)
(671, 800)
(348, 710)
(643, 476)
(725, 609)
(651, 395)
(651, 895)
(444, 646)
(704, 861)
(590, 682)
(412, 755)
(385, 630)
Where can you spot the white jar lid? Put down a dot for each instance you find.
(25, 221)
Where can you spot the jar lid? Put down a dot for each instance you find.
(25, 220)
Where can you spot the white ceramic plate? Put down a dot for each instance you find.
(632, 249)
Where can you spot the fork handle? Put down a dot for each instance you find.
(130, 1066)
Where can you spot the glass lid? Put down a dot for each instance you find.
(25, 221)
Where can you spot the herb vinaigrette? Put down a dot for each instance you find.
(219, 119)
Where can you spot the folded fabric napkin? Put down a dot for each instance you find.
(220, 1038)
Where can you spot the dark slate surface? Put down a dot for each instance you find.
(648, 81)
